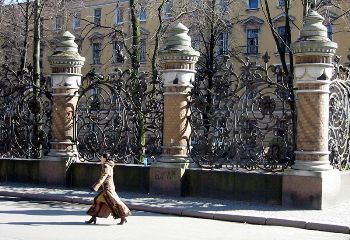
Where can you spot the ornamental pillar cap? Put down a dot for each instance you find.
(177, 44)
(66, 52)
(313, 39)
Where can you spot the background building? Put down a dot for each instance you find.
(239, 27)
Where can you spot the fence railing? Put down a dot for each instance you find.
(244, 120)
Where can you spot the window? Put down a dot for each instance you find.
(281, 127)
(196, 42)
(252, 41)
(224, 5)
(223, 43)
(143, 50)
(118, 16)
(97, 17)
(253, 4)
(76, 20)
(96, 53)
(143, 14)
(117, 55)
(330, 31)
(281, 88)
(281, 3)
(57, 23)
(94, 92)
(282, 39)
(168, 9)
(196, 2)
(219, 135)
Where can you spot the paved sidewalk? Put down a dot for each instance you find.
(336, 219)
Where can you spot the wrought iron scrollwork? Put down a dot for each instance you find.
(339, 118)
(25, 115)
(242, 120)
(119, 114)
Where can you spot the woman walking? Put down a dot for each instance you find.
(107, 201)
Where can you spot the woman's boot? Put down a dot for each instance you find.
(92, 220)
(122, 221)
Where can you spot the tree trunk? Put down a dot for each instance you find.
(24, 55)
(135, 78)
(36, 108)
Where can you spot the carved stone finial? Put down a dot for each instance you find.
(66, 52)
(313, 37)
(178, 40)
(66, 43)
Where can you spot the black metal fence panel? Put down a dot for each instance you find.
(243, 120)
(339, 118)
(25, 115)
(120, 114)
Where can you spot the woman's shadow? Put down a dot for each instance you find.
(55, 223)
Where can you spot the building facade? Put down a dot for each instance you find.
(103, 28)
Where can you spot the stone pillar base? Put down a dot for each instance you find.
(52, 171)
(166, 175)
(66, 156)
(310, 190)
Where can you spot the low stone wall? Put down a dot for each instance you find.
(19, 170)
(133, 178)
(245, 186)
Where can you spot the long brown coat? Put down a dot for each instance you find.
(107, 201)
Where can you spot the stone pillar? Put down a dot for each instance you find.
(312, 182)
(178, 59)
(66, 64)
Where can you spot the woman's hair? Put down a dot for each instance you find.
(107, 156)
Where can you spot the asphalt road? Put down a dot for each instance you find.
(23, 220)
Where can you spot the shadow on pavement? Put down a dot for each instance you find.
(55, 223)
(44, 212)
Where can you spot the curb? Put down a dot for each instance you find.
(191, 213)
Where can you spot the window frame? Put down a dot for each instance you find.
(57, 24)
(97, 19)
(281, 5)
(115, 59)
(224, 5)
(118, 16)
(75, 26)
(256, 46)
(143, 50)
(282, 37)
(250, 5)
(330, 31)
(168, 9)
(96, 60)
(223, 43)
(195, 43)
(143, 14)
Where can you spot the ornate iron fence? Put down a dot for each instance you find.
(339, 117)
(243, 120)
(120, 114)
(25, 115)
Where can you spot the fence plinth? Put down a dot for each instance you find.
(178, 59)
(312, 182)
